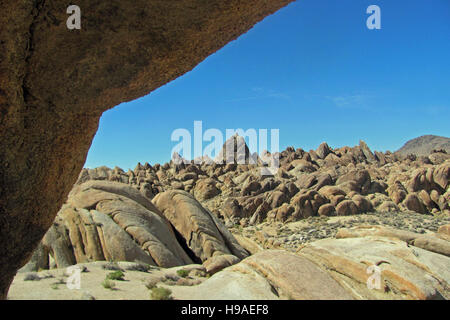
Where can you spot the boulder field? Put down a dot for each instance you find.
(409, 266)
(323, 182)
(316, 230)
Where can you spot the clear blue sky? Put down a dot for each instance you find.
(312, 70)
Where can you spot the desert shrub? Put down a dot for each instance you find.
(171, 277)
(46, 276)
(141, 267)
(32, 277)
(108, 284)
(183, 273)
(152, 283)
(116, 275)
(113, 266)
(160, 294)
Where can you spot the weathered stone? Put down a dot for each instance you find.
(346, 208)
(204, 234)
(406, 272)
(413, 203)
(327, 210)
(206, 189)
(323, 150)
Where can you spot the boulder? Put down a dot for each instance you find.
(326, 210)
(397, 192)
(269, 274)
(323, 150)
(204, 235)
(367, 152)
(206, 189)
(404, 272)
(355, 180)
(413, 203)
(105, 220)
(363, 204)
(347, 208)
(441, 175)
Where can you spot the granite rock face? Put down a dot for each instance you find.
(55, 83)
(112, 221)
(410, 265)
(204, 234)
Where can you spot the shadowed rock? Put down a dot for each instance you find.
(205, 235)
(110, 221)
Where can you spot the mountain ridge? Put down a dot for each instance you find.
(424, 145)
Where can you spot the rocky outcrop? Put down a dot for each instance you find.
(365, 262)
(410, 266)
(303, 187)
(111, 221)
(204, 234)
(270, 274)
(55, 83)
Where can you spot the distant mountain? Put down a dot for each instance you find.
(424, 145)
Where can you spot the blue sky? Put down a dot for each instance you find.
(312, 70)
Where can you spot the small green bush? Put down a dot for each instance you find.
(183, 273)
(161, 294)
(151, 284)
(116, 275)
(108, 284)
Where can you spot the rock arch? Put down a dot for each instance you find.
(55, 83)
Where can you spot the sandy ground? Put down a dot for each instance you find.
(52, 284)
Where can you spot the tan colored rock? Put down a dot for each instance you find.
(327, 210)
(329, 191)
(270, 274)
(413, 203)
(426, 200)
(441, 175)
(388, 206)
(347, 208)
(363, 204)
(360, 178)
(112, 221)
(445, 229)
(215, 264)
(406, 272)
(397, 192)
(367, 152)
(429, 242)
(284, 213)
(206, 189)
(323, 150)
(204, 234)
